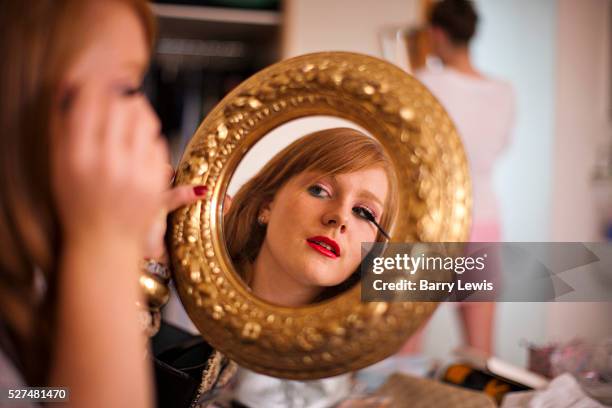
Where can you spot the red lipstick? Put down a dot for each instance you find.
(325, 246)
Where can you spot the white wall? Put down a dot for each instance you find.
(517, 41)
(279, 138)
(343, 25)
(582, 121)
(582, 127)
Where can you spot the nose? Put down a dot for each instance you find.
(337, 218)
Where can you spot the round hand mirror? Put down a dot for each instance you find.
(328, 335)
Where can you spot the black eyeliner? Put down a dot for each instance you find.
(373, 221)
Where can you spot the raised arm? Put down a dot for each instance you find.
(108, 165)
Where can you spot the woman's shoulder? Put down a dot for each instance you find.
(443, 75)
(452, 86)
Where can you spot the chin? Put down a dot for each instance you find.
(324, 278)
(319, 271)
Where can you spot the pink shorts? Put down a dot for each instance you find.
(486, 232)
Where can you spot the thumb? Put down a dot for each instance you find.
(183, 195)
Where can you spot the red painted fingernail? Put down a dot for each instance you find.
(200, 190)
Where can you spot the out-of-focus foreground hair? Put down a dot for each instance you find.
(39, 40)
(457, 18)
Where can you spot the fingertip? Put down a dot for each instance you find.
(184, 195)
(200, 190)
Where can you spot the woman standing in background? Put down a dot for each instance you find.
(482, 109)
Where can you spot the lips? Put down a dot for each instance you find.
(325, 246)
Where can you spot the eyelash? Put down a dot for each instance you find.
(370, 214)
(317, 187)
(132, 91)
(361, 211)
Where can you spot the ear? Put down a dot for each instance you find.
(266, 209)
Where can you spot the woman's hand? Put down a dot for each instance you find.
(108, 166)
(108, 174)
(174, 199)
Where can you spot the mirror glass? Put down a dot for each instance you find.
(299, 206)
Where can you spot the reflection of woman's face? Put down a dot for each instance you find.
(315, 230)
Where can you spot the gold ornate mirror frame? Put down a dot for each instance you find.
(341, 334)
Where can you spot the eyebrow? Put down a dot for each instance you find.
(136, 66)
(371, 196)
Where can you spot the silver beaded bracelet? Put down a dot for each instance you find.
(158, 269)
